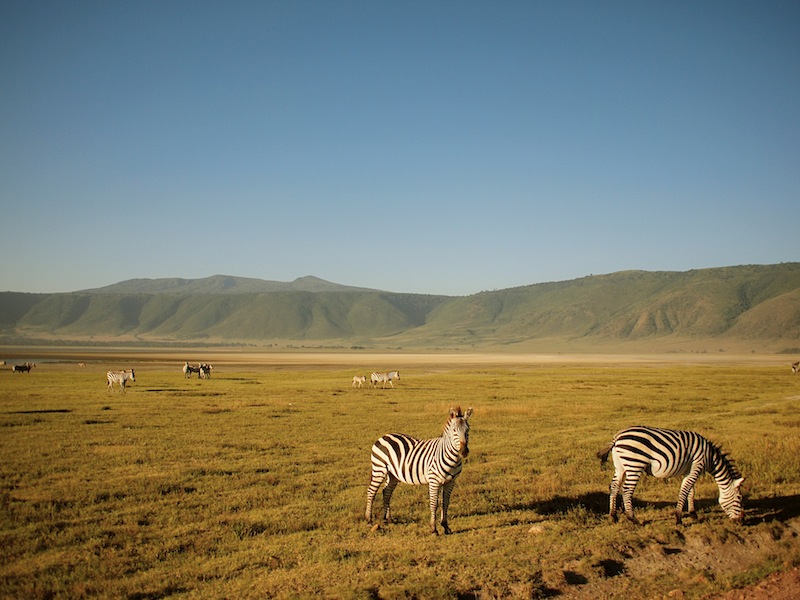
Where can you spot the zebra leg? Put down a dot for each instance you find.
(690, 500)
(433, 494)
(387, 497)
(613, 490)
(447, 489)
(375, 483)
(687, 488)
(628, 487)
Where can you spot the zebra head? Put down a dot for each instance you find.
(457, 430)
(730, 499)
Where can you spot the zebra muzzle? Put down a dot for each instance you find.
(463, 450)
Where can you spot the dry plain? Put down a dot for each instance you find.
(252, 484)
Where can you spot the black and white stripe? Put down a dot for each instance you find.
(665, 453)
(377, 378)
(121, 378)
(437, 462)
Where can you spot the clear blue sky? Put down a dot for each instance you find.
(428, 147)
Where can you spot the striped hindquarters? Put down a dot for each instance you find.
(405, 457)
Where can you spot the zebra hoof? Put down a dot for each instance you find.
(633, 519)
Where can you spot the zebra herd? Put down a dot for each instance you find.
(203, 370)
(399, 458)
(376, 378)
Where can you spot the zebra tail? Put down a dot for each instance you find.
(603, 454)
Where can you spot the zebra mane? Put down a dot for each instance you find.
(455, 412)
(726, 461)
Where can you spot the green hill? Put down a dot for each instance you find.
(755, 306)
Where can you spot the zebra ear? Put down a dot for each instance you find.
(468, 414)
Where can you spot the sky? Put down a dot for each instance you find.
(434, 147)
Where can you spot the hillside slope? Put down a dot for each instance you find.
(749, 304)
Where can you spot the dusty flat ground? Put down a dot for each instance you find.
(380, 360)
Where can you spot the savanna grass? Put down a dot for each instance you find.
(253, 483)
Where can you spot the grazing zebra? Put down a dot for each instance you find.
(359, 380)
(23, 368)
(795, 367)
(384, 377)
(666, 453)
(121, 378)
(436, 461)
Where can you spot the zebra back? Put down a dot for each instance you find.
(416, 461)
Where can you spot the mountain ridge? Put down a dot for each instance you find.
(221, 284)
(755, 306)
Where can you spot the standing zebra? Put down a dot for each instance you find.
(189, 369)
(436, 461)
(795, 367)
(666, 453)
(384, 377)
(121, 378)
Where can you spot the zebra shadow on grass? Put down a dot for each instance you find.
(594, 503)
(760, 510)
(766, 510)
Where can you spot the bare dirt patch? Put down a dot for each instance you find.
(784, 585)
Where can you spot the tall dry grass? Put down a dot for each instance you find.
(253, 483)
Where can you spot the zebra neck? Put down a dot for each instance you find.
(450, 452)
(719, 468)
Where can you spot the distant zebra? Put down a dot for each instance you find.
(384, 377)
(436, 461)
(666, 453)
(359, 380)
(204, 371)
(121, 378)
(189, 369)
(795, 367)
(23, 368)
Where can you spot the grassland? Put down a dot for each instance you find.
(252, 484)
